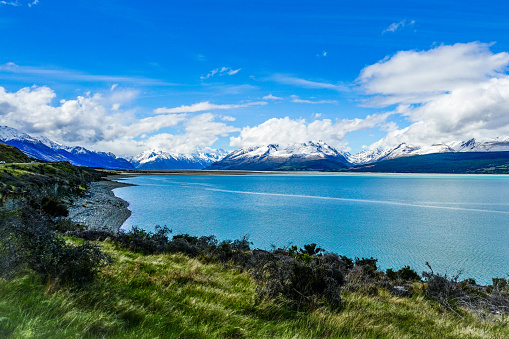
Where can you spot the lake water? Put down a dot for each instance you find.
(453, 222)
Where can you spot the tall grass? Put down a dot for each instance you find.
(175, 296)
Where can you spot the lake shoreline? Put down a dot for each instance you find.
(130, 173)
(100, 208)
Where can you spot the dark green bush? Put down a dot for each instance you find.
(405, 273)
(303, 284)
(368, 265)
(53, 207)
(31, 243)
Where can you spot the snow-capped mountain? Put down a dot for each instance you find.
(486, 145)
(163, 160)
(402, 150)
(303, 156)
(45, 149)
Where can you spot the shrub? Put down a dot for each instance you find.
(54, 207)
(303, 284)
(368, 265)
(32, 243)
(405, 273)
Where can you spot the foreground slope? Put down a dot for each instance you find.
(174, 296)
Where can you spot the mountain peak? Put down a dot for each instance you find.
(302, 156)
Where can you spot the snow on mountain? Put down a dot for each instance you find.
(402, 150)
(303, 156)
(486, 145)
(153, 159)
(42, 148)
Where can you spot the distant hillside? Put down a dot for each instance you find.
(460, 163)
(11, 154)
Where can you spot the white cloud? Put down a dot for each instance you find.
(87, 121)
(210, 75)
(33, 3)
(221, 72)
(289, 80)
(200, 131)
(288, 131)
(234, 71)
(10, 3)
(204, 106)
(473, 111)
(227, 118)
(271, 97)
(449, 93)
(83, 119)
(414, 77)
(397, 25)
(296, 99)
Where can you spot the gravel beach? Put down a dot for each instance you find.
(100, 208)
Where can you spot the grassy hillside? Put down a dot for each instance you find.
(175, 296)
(475, 163)
(53, 178)
(11, 154)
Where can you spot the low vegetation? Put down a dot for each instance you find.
(148, 285)
(58, 280)
(51, 179)
(10, 154)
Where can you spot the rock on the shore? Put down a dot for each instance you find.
(100, 208)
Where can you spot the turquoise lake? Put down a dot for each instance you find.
(453, 222)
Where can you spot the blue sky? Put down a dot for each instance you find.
(127, 76)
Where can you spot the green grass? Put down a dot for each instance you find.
(11, 154)
(22, 179)
(174, 296)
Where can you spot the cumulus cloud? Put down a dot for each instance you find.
(290, 80)
(222, 71)
(87, 121)
(397, 25)
(201, 130)
(473, 111)
(288, 131)
(204, 106)
(448, 93)
(413, 77)
(296, 99)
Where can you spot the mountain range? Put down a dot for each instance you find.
(159, 160)
(42, 148)
(317, 156)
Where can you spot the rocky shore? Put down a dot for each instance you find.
(99, 208)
